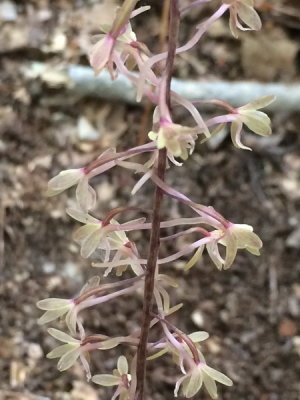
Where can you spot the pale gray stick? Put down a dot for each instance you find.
(83, 82)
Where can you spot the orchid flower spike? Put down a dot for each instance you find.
(242, 11)
(120, 378)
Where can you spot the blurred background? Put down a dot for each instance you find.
(252, 310)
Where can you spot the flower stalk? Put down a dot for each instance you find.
(155, 232)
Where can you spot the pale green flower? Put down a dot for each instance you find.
(200, 375)
(119, 378)
(54, 308)
(85, 194)
(242, 12)
(177, 139)
(257, 121)
(235, 237)
(67, 353)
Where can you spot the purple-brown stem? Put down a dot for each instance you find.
(155, 232)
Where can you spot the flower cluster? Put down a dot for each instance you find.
(109, 240)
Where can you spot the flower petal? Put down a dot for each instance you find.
(214, 254)
(85, 194)
(81, 216)
(106, 380)
(85, 231)
(122, 365)
(68, 359)
(109, 344)
(91, 243)
(51, 315)
(249, 16)
(195, 258)
(71, 320)
(257, 121)
(216, 375)
(62, 336)
(231, 248)
(198, 336)
(53, 303)
(259, 103)
(194, 384)
(65, 179)
(236, 128)
(60, 351)
(210, 386)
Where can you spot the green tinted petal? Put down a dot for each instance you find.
(71, 320)
(91, 243)
(152, 135)
(68, 359)
(81, 216)
(210, 386)
(231, 249)
(249, 3)
(85, 231)
(122, 365)
(249, 16)
(236, 129)
(85, 194)
(259, 103)
(109, 344)
(65, 179)
(253, 251)
(257, 121)
(214, 254)
(198, 336)
(195, 258)
(51, 315)
(62, 336)
(246, 237)
(53, 304)
(216, 375)
(60, 350)
(106, 380)
(194, 384)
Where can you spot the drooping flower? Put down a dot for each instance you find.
(257, 121)
(57, 308)
(72, 349)
(68, 353)
(85, 194)
(235, 237)
(54, 308)
(94, 234)
(242, 12)
(120, 378)
(201, 374)
(115, 44)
